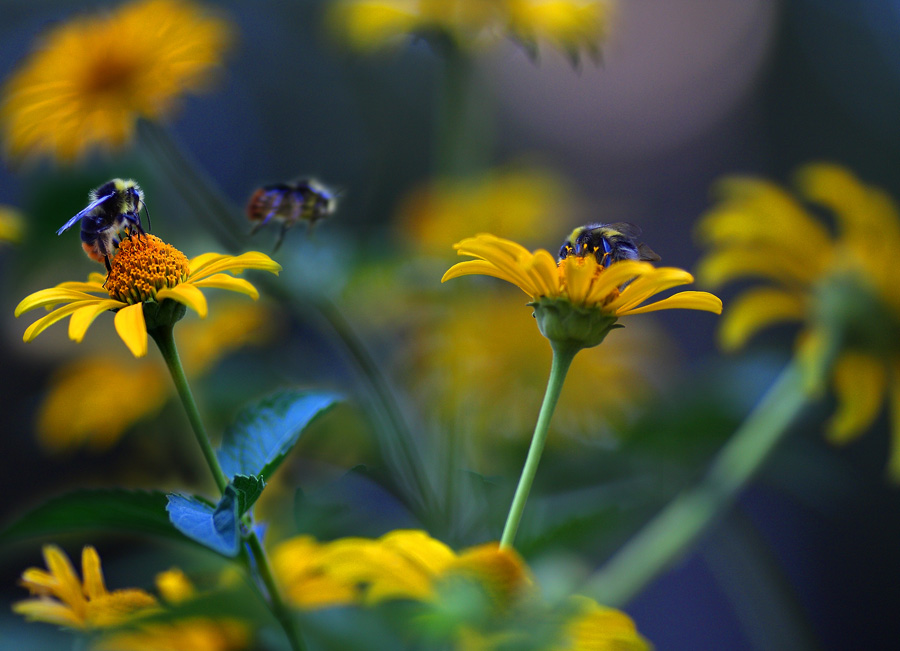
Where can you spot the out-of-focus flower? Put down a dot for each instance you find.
(145, 272)
(402, 564)
(11, 224)
(92, 77)
(839, 286)
(518, 204)
(487, 379)
(410, 565)
(190, 634)
(63, 599)
(70, 416)
(569, 24)
(578, 300)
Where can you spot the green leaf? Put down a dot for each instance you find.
(265, 432)
(215, 528)
(246, 491)
(130, 511)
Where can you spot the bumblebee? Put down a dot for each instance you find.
(609, 242)
(289, 203)
(114, 208)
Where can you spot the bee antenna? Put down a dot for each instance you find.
(147, 210)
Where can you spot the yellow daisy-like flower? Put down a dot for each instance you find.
(65, 600)
(597, 628)
(840, 286)
(577, 300)
(190, 634)
(147, 274)
(570, 24)
(95, 75)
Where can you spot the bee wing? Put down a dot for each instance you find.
(648, 254)
(625, 228)
(93, 204)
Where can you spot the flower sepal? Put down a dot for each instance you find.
(574, 327)
(164, 314)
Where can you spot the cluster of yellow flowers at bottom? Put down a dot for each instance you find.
(841, 287)
(145, 270)
(411, 565)
(60, 597)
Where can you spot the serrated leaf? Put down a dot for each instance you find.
(246, 491)
(91, 510)
(265, 432)
(215, 528)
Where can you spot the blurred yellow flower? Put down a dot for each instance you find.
(839, 285)
(92, 77)
(70, 416)
(517, 203)
(487, 379)
(569, 24)
(65, 600)
(597, 628)
(145, 271)
(11, 224)
(403, 564)
(190, 634)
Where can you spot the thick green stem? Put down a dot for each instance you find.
(165, 339)
(164, 336)
(678, 526)
(562, 359)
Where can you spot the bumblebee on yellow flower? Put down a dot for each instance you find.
(840, 286)
(148, 278)
(92, 77)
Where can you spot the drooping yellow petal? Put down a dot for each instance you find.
(860, 383)
(778, 264)
(49, 298)
(83, 317)
(484, 268)
(225, 281)
(45, 610)
(186, 294)
(691, 300)
(58, 314)
(132, 328)
(93, 575)
(756, 309)
(250, 260)
(649, 284)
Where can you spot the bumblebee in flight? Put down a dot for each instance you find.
(289, 203)
(114, 207)
(609, 242)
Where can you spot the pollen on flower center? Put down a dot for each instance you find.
(110, 75)
(142, 266)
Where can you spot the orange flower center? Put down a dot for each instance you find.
(143, 265)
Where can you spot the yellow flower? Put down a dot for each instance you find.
(596, 628)
(519, 203)
(95, 75)
(190, 634)
(10, 224)
(145, 272)
(65, 600)
(570, 24)
(577, 300)
(403, 564)
(839, 286)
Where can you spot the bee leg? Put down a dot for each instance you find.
(284, 228)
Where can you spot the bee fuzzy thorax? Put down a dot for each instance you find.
(289, 203)
(608, 242)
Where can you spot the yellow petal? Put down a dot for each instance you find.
(59, 313)
(682, 301)
(51, 612)
(757, 309)
(68, 588)
(83, 317)
(249, 260)
(616, 275)
(776, 263)
(186, 294)
(224, 281)
(93, 575)
(50, 297)
(483, 268)
(132, 328)
(202, 260)
(647, 285)
(580, 274)
(860, 382)
(78, 286)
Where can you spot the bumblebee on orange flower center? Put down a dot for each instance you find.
(144, 265)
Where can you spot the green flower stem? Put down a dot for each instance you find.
(678, 526)
(562, 359)
(164, 336)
